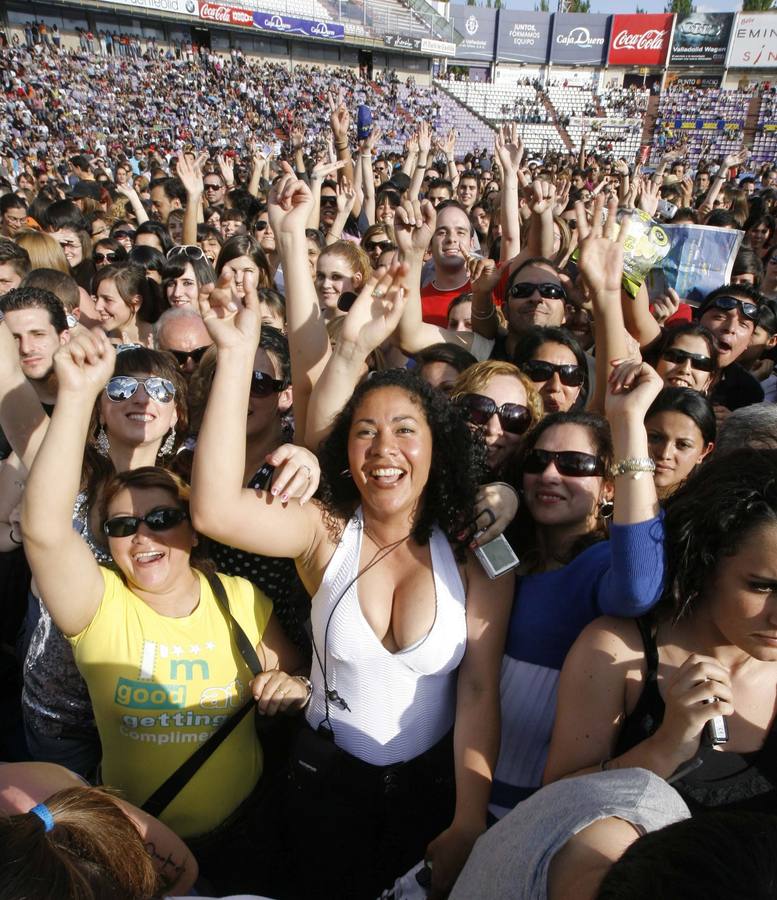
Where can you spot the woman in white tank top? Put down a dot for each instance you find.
(408, 637)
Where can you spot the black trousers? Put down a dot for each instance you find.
(353, 828)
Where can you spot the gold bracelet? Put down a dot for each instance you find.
(634, 466)
(481, 317)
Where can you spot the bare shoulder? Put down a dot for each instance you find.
(608, 641)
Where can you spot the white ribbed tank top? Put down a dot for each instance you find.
(401, 704)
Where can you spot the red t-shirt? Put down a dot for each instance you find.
(435, 303)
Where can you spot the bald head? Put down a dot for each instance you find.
(182, 332)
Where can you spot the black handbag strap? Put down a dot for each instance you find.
(172, 786)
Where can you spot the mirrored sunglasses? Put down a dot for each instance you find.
(122, 387)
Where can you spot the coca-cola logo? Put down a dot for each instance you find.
(653, 39)
(215, 12)
(579, 37)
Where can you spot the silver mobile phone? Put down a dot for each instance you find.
(497, 557)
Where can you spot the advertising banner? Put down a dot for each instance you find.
(438, 48)
(754, 41)
(701, 39)
(696, 81)
(329, 31)
(478, 25)
(226, 15)
(180, 7)
(523, 36)
(400, 42)
(580, 39)
(637, 40)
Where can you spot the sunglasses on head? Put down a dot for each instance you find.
(190, 251)
(162, 518)
(104, 257)
(749, 310)
(183, 356)
(262, 385)
(122, 387)
(513, 417)
(698, 361)
(547, 290)
(567, 462)
(539, 370)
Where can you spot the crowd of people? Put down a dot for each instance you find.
(367, 527)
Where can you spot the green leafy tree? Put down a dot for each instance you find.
(542, 6)
(640, 10)
(578, 6)
(680, 7)
(756, 5)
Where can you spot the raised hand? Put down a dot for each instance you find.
(509, 149)
(346, 197)
(631, 388)
(297, 473)
(541, 198)
(289, 203)
(411, 144)
(369, 144)
(226, 166)
(449, 144)
(483, 273)
(190, 174)
(297, 136)
(325, 168)
(621, 167)
(666, 306)
(414, 224)
(85, 364)
(649, 196)
(375, 314)
(339, 117)
(601, 257)
(562, 196)
(233, 322)
(424, 136)
(738, 158)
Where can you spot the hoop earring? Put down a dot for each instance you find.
(103, 444)
(167, 448)
(606, 509)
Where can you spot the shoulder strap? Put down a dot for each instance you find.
(172, 786)
(651, 650)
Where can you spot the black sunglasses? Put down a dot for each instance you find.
(329, 201)
(212, 186)
(124, 233)
(539, 370)
(104, 257)
(749, 310)
(698, 361)
(183, 356)
(122, 387)
(260, 225)
(568, 462)
(479, 409)
(162, 518)
(371, 246)
(547, 290)
(262, 385)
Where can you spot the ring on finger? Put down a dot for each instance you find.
(487, 512)
(307, 471)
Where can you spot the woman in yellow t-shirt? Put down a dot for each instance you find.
(151, 640)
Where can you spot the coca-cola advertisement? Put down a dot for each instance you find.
(639, 40)
(226, 15)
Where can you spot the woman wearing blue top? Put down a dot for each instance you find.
(576, 472)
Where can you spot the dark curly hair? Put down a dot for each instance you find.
(458, 460)
(711, 516)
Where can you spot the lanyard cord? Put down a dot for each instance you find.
(331, 695)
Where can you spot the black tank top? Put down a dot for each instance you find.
(716, 780)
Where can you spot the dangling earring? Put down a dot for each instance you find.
(167, 448)
(606, 509)
(103, 444)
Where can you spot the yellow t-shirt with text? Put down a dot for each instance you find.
(160, 686)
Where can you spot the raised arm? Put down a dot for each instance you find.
(221, 508)
(128, 191)
(62, 564)
(509, 151)
(289, 208)
(346, 197)
(370, 321)
(601, 268)
(340, 121)
(419, 172)
(190, 175)
(365, 169)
